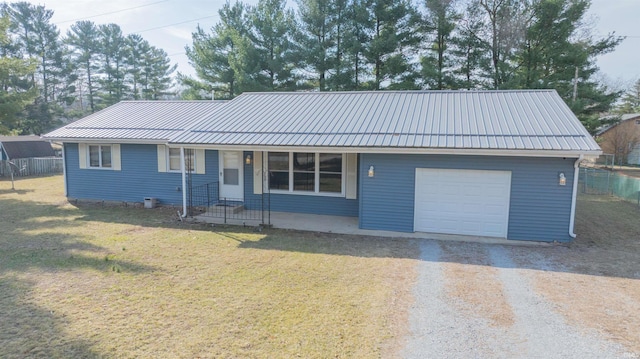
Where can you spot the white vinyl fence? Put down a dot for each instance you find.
(32, 166)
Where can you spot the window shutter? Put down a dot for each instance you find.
(162, 158)
(352, 176)
(257, 172)
(200, 162)
(82, 154)
(115, 158)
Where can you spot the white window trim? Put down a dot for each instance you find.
(164, 160)
(100, 167)
(179, 170)
(316, 191)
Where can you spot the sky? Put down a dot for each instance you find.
(168, 24)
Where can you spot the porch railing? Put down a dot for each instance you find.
(205, 201)
(203, 195)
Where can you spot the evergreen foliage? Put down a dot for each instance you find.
(16, 81)
(92, 67)
(325, 45)
(630, 100)
(334, 45)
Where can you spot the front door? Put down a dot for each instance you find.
(231, 184)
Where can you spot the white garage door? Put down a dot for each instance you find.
(467, 202)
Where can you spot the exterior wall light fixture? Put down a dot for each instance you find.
(247, 160)
(562, 179)
(371, 172)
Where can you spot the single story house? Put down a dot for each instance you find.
(14, 147)
(486, 163)
(622, 138)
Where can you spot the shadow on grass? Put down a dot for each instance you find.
(605, 245)
(30, 331)
(17, 190)
(333, 244)
(28, 240)
(38, 239)
(608, 244)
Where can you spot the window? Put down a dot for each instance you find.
(304, 167)
(279, 170)
(305, 172)
(637, 122)
(100, 156)
(174, 159)
(330, 172)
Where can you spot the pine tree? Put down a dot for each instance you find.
(469, 52)
(16, 86)
(83, 37)
(339, 77)
(156, 73)
(354, 71)
(271, 32)
(136, 47)
(112, 53)
(439, 23)
(38, 38)
(630, 102)
(503, 34)
(393, 34)
(225, 60)
(552, 54)
(316, 39)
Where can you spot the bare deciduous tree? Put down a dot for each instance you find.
(622, 141)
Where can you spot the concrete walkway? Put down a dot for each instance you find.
(346, 225)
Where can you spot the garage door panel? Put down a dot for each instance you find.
(493, 210)
(447, 208)
(471, 226)
(448, 224)
(473, 202)
(448, 189)
(471, 208)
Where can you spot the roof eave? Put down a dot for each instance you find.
(147, 141)
(405, 150)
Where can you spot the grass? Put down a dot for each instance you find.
(88, 281)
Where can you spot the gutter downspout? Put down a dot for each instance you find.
(576, 173)
(184, 183)
(64, 170)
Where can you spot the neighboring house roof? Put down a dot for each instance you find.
(25, 147)
(524, 120)
(622, 118)
(137, 120)
(629, 116)
(518, 120)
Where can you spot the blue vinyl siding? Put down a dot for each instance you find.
(333, 206)
(540, 209)
(138, 178)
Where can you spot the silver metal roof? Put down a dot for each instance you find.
(503, 120)
(137, 120)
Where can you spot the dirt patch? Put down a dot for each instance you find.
(400, 280)
(474, 284)
(609, 305)
(595, 282)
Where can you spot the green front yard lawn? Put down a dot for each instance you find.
(88, 281)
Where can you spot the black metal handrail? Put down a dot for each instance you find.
(205, 200)
(205, 195)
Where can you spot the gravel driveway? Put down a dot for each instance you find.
(498, 314)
